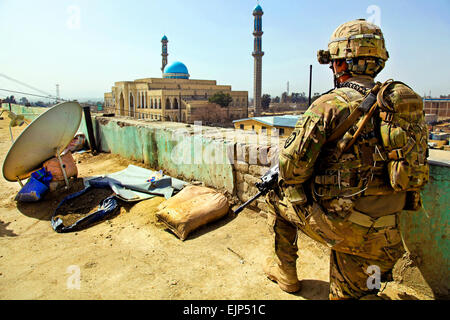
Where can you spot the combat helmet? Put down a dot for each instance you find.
(361, 44)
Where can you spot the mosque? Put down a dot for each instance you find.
(174, 97)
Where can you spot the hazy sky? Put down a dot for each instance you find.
(85, 46)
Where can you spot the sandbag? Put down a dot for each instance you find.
(192, 208)
(54, 167)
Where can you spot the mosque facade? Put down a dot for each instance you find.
(174, 97)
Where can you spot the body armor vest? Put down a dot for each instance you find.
(388, 157)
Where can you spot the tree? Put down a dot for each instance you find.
(222, 99)
(265, 101)
(295, 97)
(276, 100)
(10, 99)
(24, 101)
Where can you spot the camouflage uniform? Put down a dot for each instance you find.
(350, 198)
(372, 236)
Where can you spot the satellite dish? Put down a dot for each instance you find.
(45, 138)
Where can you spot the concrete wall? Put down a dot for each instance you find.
(30, 113)
(426, 234)
(169, 146)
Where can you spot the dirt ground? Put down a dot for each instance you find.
(131, 256)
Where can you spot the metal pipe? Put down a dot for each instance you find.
(310, 84)
(19, 181)
(62, 169)
(10, 132)
(88, 120)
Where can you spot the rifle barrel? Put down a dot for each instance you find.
(239, 210)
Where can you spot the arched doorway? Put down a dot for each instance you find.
(131, 111)
(122, 105)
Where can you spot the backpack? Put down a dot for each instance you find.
(404, 136)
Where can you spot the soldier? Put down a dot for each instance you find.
(354, 162)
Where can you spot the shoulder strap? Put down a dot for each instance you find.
(364, 107)
(373, 95)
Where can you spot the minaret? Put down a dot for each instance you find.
(165, 53)
(258, 54)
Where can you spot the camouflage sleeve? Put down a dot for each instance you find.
(302, 148)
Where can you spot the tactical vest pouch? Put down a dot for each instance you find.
(404, 137)
(296, 194)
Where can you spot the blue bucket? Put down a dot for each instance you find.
(33, 191)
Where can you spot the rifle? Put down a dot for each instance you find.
(268, 182)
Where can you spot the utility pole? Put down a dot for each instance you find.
(57, 93)
(310, 84)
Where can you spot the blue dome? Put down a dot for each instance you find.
(176, 70)
(258, 9)
(164, 38)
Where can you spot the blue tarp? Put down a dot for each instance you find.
(107, 207)
(131, 185)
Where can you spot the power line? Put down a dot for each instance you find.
(23, 84)
(31, 94)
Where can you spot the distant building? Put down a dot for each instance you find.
(174, 97)
(438, 107)
(277, 125)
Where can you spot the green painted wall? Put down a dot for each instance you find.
(30, 113)
(426, 233)
(169, 148)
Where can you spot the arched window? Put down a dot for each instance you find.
(168, 104)
(131, 103)
(121, 105)
(175, 104)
